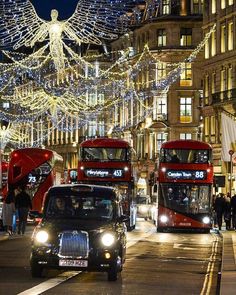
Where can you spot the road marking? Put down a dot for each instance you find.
(210, 268)
(49, 284)
(234, 246)
(181, 246)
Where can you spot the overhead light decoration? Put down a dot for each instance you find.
(11, 134)
(92, 22)
(66, 92)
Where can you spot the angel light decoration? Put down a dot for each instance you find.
(92, 22)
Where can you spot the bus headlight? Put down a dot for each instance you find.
(163, 218)
(206, 220)
(143, 209)
(126, 168)
(108, 239)
(41, 236)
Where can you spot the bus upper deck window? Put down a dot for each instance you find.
(16, 171)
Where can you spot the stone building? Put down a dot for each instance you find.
(219, 70)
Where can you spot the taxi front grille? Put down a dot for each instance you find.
(74, 244)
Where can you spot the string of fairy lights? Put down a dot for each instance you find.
(57, 84)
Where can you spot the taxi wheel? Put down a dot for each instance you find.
(36, 270)
(112, 273)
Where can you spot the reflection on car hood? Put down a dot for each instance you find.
(86, 225)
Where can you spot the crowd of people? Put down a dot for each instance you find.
(224, 209)
(16, 206)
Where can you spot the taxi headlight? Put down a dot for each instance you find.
(206, 220)
(163, 218)
(41, 236)
(108, 239)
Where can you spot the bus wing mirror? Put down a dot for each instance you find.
(123, 218)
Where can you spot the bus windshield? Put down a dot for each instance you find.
(185, 198)
(185, 156)
(103, 154)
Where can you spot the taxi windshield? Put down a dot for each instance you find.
(80, 207)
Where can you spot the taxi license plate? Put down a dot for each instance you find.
(74, 263)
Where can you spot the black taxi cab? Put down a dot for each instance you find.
(83, 228)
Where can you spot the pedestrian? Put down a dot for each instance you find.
(219, 209)
(233, 206)
(23, 205)
(8, 211)
(227, 212)
(213, 212)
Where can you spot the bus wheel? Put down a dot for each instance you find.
(36, 270)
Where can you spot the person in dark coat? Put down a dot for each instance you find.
(227, 212)
(233, 206)
(219, 207)
(23, 205)
(8, 211)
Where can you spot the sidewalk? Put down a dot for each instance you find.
(228, 267)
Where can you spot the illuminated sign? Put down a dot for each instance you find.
(31, 178)
(104, 173)
(186, 174)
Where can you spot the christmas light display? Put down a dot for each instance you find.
(92, 22)
(57, 97)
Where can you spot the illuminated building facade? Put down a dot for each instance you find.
(219, 79)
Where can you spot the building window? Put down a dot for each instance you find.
(197, 6)
(213, 83)
(166, 7)
(231, 2)
(92, 99)
(222, 82)
(161, 71)
(223, 4)
(222, 37)
(185, 36)
(185, 110)
(161, 37)
(213, 43)
(92, 128)
(230, 36)
(161, 137)
(206, 88)
(230, 78)
(162, 107)
(185, 136)
(213, 6)
(207, 55)
(186, 75)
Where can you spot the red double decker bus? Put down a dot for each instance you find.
(37, 169)
(108, 161)
(185, 183)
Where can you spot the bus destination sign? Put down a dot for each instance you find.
(186, 174)
(104, 173)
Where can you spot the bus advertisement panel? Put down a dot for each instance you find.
(185, 183)
(36, 169)
(108, 161)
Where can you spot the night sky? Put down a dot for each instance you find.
(65, 8)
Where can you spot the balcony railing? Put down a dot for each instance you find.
(224, 96)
